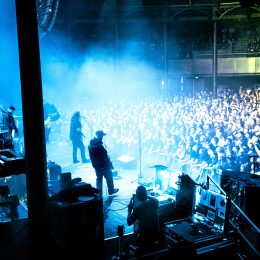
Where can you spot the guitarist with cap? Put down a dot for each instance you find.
(9, 126)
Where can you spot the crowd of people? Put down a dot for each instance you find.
(194, 136)
(199, 41)
(189, 134)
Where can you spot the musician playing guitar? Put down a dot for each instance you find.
(51, 115)
(76, 137)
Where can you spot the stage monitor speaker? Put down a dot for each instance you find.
(167, 212)
(126, 162)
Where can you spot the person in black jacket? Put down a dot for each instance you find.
(76, 136)
(101, 163)
(9, 126)
(143, 214)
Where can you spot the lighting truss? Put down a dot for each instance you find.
(46, 15)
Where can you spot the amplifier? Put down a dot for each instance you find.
(54, 170)
(72, 221)
(71, 191)
(167, 211)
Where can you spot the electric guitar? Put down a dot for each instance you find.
(51, 119)
(47, 122)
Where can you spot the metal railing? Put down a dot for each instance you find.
(232, 48)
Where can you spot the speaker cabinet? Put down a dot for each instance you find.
(78, 226)
(166, 212)
(185, 197)
(126, 162)
(244, 189)
(252, 194)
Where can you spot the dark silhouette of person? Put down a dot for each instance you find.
(10, 127)
(76, 136)
(51, 114)
(101, 163)
(143, 214)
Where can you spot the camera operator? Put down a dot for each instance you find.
(143, 213)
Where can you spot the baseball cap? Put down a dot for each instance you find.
(12, 108)
(100, 133)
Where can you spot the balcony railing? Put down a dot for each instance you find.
(242, 48)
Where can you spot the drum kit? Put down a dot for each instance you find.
(6, 142)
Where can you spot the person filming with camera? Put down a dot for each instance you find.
(143, 214)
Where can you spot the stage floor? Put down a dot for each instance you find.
(129, 175)
(115, 206)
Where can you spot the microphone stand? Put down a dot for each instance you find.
(140, 156)
(89, 125)
(140, 176)
(120, 232)
(254, 164)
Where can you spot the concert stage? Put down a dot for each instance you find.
(69, 218)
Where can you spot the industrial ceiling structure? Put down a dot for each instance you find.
(115, 11)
